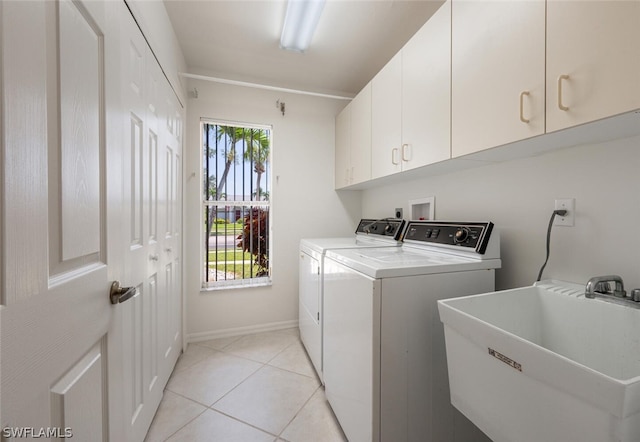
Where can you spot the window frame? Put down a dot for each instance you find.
(259, 281)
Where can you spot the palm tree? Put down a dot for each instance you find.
(230, 136)
(257, 148)
(233, 135)
(265, 194)
(258, 153)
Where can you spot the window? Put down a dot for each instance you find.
(236, 204)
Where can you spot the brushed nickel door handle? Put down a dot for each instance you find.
(119, 294)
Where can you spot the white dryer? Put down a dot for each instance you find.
(369, 233)
(385, 369)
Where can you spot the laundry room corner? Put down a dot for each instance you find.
(303, 202)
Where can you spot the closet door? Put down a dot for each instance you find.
(90, 171)
(147, 329)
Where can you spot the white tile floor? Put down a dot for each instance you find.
(259, 387)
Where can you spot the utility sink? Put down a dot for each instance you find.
(544, 363)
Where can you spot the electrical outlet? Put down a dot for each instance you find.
(569, 205)
(399, 213)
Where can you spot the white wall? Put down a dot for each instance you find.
(304, 203)
(518, 196)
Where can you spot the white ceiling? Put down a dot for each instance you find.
(239, 40)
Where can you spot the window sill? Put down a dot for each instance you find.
(234, 285)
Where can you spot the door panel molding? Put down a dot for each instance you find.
(80, 392)
(76, 153)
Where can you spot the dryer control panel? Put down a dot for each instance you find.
(390, 227)
(469, 235)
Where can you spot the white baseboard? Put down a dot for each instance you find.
(238, 331)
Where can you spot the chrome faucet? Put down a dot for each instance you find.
(599, 285)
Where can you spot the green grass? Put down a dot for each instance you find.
(230, 255)
(225, 262)
(233, 260)
(226, 229)
(229, 230)
(239, 269)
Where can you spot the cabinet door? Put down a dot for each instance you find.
(596, 45)
(498, 56)
(342, 148)
(360, 158)
(386, 119)
(426, 87)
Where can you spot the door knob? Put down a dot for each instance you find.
(119, 294)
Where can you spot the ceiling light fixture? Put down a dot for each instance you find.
(300, 23)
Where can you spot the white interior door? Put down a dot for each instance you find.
(56, 221)
(90, 173)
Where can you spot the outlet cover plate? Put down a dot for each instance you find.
(568, 204)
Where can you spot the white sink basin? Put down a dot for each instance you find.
(544, 363)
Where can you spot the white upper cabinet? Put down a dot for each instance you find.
(593, 60)
(483, 74)
(353, 141)
(343, 147)
(410, 102)
(498, 73)
(360, 152)
(386, 119)
(426, 87)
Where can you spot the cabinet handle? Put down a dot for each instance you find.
(560, 105)
(404, 151)
(394, 151)
(346, 176)
(522, 118)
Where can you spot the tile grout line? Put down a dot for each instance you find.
(236, 386)
(195, 417)
(298, 412)
(187, 398)
(243, 422)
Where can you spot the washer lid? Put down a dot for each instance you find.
(402, 261)
(321, 245)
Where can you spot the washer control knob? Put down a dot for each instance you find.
(461, 235)
(389, 228)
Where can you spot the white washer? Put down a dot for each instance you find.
(385, 369)
(369, 233)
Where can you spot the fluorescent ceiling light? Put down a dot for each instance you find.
(300, 23)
